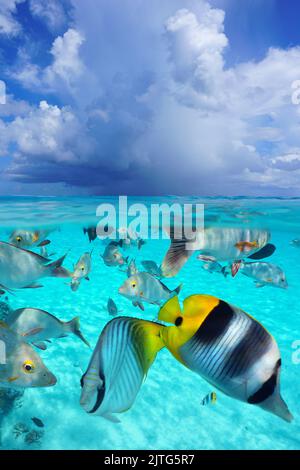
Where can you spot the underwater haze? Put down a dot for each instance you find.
(168, 412)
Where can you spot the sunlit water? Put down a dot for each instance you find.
(167, 413)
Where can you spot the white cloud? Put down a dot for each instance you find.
(51, 12)
(8, 23)
(64, 70)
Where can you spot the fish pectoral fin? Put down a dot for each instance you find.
(44, 243)
(33, 332)
(111, 417)
(40, 345)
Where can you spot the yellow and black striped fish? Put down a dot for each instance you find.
(210, 398)
(125, 350)
(228, 348)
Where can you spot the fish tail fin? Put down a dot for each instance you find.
(74, 327)
(176, 256)
(224, 271)
(277, 406)
(235, 268)
(57, 270)
(178, 289)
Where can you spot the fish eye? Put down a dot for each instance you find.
(133, 284)
(82, 268)
(28, 367)
(19, 239)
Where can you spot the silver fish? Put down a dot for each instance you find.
(265, 274)
(222, 244)
(112, 255)
(145, 287)
(20, 268)
(213, 266)
(22, 367)
(37, 326)
(81, 270)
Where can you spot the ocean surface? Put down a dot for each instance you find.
(167, 413)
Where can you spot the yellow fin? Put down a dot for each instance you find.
(147, 336)
(170, 310)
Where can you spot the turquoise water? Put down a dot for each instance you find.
(167, 413)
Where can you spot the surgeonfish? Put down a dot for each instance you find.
(123, 354)
(112, 308)
(152, 268)
(221, 244)
(228, 348)
(209, 399)
(20, 268)
(112, 255)
(23, 367)
(81, 271)
(213, 266)
(37, 326)
(29, 238)
(265, 274)
(143, 287)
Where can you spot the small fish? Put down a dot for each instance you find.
(112, 308)
(118, 367)
(145, 287)
(37, 326)
(295, 242)
(23, 367)
(213, 266)
(265, 274)
(38, 422)
(81, 271)
(91, 232)
(20, 268)
(29, 238)
(209, 399)
(152, 268)
(245, 246)
(112, 255)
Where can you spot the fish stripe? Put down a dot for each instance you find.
(267, 389)
(215, 324)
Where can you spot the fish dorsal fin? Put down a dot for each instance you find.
(199, 306)
(170, 310)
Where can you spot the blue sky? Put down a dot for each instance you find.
(160, 97)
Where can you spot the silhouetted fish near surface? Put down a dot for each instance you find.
(38, 422)
(91, 232)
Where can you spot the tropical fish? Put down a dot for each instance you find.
(228, 348)
(145, 287)
(38, 422)
(81, 270)
(152, 268)
(29, 238)
(213, 266)
(265, 274)
(122, 357)
(20, 268)
(112, 255)
(37, 326)
(23, 367)
(91, 232)
(209, 399)
(112, 308)
(221, 244)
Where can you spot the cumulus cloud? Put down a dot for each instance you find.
(51, 12)
(154, 108)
